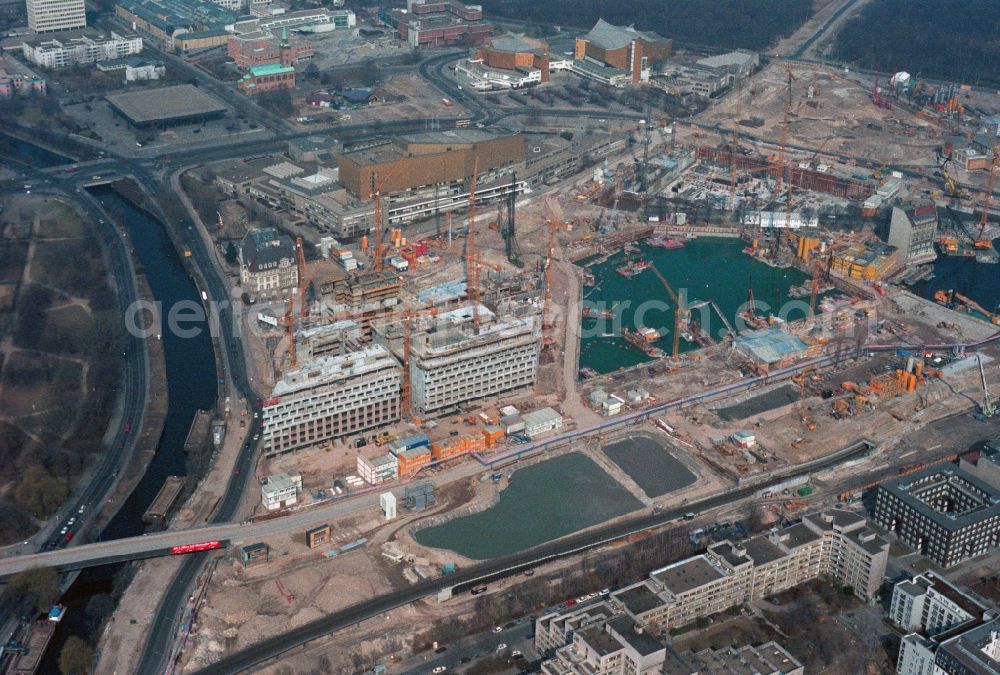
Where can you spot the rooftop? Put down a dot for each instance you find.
(770, 345)
(517, 42)
(969, 649)
(270, 69)
(762, 551)
(687, 575)
(638, 599)
(609, 36)
(980, 499)
(165, 103)
(738, 58)
(599, 640)
(332, 369)
(642, 642)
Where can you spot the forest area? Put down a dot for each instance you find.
(955, 40)
(730, 24)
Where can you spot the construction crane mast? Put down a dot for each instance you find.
(471, 264)
(785, 168)
(507, 228)
(987, 408)
(377, 196)
(303, 278)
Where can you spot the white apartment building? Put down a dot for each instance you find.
(540, 422)
(46, 16)
(378, 469)
(452, 362)
(332, 396)
(281, 490)
(930, 604)
(835, 542)
(63, 52)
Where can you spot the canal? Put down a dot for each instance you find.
(979, 281)
(191, 385)
(705, 269)
(544, 501)
(35, 155)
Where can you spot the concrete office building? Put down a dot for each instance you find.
(942, 512)
(986, 466)
(47, 16)
(267, 262)
(835, 543)
(75, 49)
(451, 362)
(912, 230)
(540, 422)
(330, 397)
(438, 23)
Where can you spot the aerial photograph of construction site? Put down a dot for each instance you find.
(462, 338)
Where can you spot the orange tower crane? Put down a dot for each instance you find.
(303, 278)
(288, 321)
(471, 264)
(981, 241)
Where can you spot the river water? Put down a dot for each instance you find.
(191, 385)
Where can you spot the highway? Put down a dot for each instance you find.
(505, 566)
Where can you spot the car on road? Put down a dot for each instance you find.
(502, 646)
(64, 530)
(440, 650)
(516, 654)
(497, 629)
(439, 669)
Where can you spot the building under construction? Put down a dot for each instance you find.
(332, 396)
(801, 178)
(453, 361)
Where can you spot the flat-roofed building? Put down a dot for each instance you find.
(623, 48)
(74, 49)
(834, 542)
(281, 490)
(47, 16)
(166, 106)
(453, 362)
(942, 512)
(330, 397)
(438, 23)
(379, 469)
(913, 230)
(929, 604)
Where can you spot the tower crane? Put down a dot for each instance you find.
(981, 241)
(554, 222)
(987, 408)
(376, 185)
(471, 264)
(300, 255)
(680, 312)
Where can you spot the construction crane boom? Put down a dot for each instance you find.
(679, 311)
(987, 407)
(981, 241)
(303, 278)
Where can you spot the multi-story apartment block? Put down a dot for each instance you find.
(332, 396)
(913, 230)
(595, 640)
(47, 16)
(267, 262)
(77, 49)
(452, 361)
(931, 605)
(942, 512)
(835, 543)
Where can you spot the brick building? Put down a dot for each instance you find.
(516, 52)
(438, 23)
(262, 47)
(270, 77)
(406, 163)
(623, 48)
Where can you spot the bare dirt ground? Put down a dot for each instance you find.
(839, 123)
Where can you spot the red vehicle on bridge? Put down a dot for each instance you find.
(195, 548)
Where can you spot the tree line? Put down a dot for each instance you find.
(945, 39)
(731, 24)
